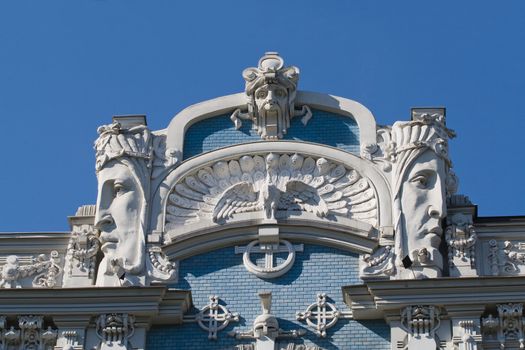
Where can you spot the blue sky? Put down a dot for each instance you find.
(68, 66)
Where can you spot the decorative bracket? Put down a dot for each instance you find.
(213, 318)
(322, 315)
(115, 330)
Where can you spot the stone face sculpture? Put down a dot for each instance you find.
(123, 164)
(420, 168)
(125, 157)
(271, 89)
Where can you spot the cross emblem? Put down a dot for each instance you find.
(322, 315)
(270, 269)
(213, 318)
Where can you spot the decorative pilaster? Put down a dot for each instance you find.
(82, 249)
(461, 240)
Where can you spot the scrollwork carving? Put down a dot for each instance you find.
(45, 269)
(381, 262)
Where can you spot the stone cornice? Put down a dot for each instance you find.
(157, 304)
(376, 299)
(32, 242)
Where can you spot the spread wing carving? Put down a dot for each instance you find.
(237, 199)
(302, 197)
(300, 183)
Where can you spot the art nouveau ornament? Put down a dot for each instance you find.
(115, 331)
(420, 166)
(274, 184)
(461, 238)
(213, 317)
(421, 323)
(270, 269)
(266, 327)
(28, 333)
(322, 315)
(44, 270)
(507, 328)
(271, 89)
(124, 158)
(82, 249)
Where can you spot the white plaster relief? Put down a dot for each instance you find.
(115, 331)
(126, 152)
(515, 256)
(27, 333)
(420, 322)
(276, 184)
(378, 264)
(493, 257)
(270, 269)
(271, 92)
(461, 239)
(159, 267)
(322, 315)
(213, 317)
(265, 328)
(469, 338)
(81, 256)
(418, 150)
(46, 271)
(506, 328)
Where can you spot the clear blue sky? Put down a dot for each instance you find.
(68, 66)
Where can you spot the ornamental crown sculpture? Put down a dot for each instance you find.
(271, 90)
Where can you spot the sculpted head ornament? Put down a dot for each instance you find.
(114, 142)
(420, 168)
(271, 90)
(123, 163)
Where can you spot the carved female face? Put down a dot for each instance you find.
(423, 207)
(118, 215)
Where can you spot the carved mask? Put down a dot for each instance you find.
(271, 102)
(118, 218)
(423, 206)
(266, 325)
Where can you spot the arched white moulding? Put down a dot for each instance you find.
(178, 126)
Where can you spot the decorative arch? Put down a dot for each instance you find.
(178, 126)
(347, 198)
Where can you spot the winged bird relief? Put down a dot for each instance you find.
(273, 185)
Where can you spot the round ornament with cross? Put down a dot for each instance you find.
(214, 317)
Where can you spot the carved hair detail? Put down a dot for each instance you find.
(115, 142)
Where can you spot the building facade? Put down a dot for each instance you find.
(270, 219)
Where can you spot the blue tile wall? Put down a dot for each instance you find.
(324, 127)
(317, 269)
